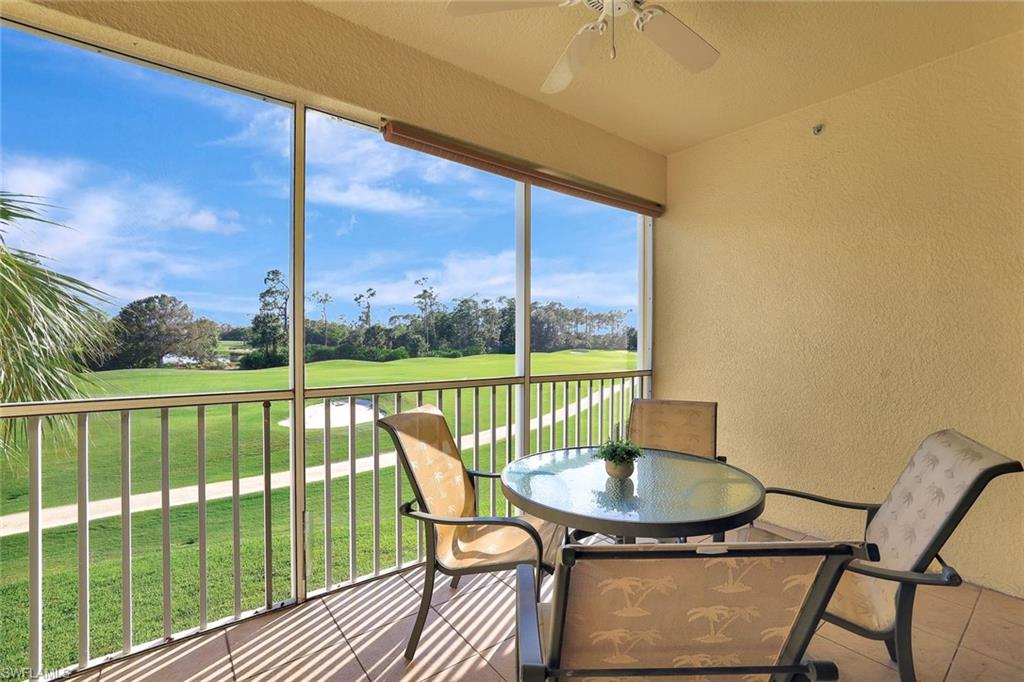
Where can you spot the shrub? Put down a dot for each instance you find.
(261, 359)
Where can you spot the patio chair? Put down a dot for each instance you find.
(745, 611)
(924, 507)
(679, 426)
(459, 542)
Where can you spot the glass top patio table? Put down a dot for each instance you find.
(670, 494)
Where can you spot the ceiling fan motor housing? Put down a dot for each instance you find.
(616, 8)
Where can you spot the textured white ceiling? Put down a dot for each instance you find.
(776, 57)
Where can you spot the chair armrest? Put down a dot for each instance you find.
(845, 504)
(529, 655)
(407, 510)
(869, 507)
(483, 474)
(947, 577)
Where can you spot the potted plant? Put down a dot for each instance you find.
(618, 456)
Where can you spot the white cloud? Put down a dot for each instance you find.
(328, 189)
(125, 237)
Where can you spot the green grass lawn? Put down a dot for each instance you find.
(59, 544)
(60, 457)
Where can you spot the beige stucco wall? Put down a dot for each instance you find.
(844, 295)
(292, 50)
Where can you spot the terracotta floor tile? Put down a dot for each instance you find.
(333, 664)
(381, 651)
(442, 584)
(87, 676)
(507, 577)
(368, 606)
(473, 669)
(852, 666)
(970, 666)
(199, 659)
(484, 617)
(932, 653)
(998, 605)
(964, 595)
(940, 617)
(270, 640)
(1000, 639)
(502, 658)
(779, 531)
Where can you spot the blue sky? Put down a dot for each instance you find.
(168, 185)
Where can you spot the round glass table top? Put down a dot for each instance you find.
(669, 494)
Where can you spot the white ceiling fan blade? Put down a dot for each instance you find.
(465, 8)
(676, 38)
(573, 59)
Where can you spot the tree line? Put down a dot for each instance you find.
(468, 325)
(149, 329)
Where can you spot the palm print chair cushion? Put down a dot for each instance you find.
(740, 611)
(459, 541)
(932, 494)
(675, 425)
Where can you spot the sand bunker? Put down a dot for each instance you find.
(339, 414)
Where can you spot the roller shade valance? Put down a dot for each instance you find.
(432, 143)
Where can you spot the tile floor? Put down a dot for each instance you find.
(964, 633)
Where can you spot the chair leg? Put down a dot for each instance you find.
(890, 646)
(903, 645)
(455, 581)
(421, 617)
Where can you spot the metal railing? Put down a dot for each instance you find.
(353, 488)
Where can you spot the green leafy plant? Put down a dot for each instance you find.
(619, 451)
(50, 324)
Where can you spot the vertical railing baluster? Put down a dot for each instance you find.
(201, 464)
(352, 568)
(510, 452)
(419, 526)
(494, 447)
(540, 417)
(35, 548)
(590, 412)
(268, 545)
(565, 414)
(622, 407)
(126, 531)
(612, 432)
(579, 414)
(551, 429)
(398, 496)
(236, 516)
(458, 420)
(165, 515)
(600, 414)
(440, 400)
(476, 439)
(375, 436)
(83, 540)
(328, 500)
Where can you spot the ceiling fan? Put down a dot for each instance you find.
(680, 41)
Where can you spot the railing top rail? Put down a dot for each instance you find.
(582, 376)
(409, 386)
(93, 405)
